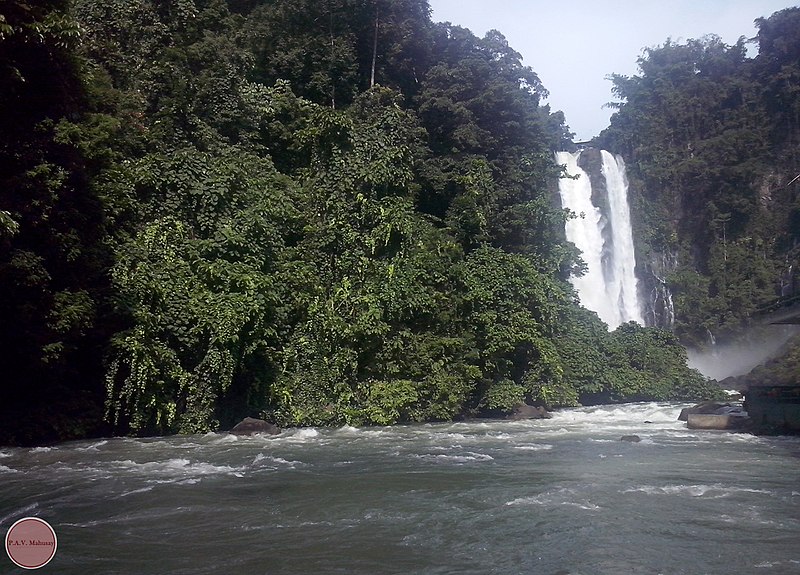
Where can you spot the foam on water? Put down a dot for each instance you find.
(437, 498)
(534, 447)
(467, 457)
(26, 510)
(93, 446)
(451, 436)
(614, 415)
(178, 467)
(279, 461)
(715, 491)
(136, 491)
(302, 434)
(224, 439)
(178, 481)
(560, 497)
(769, 564)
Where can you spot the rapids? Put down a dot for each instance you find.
(563, 495)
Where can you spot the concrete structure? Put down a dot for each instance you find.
(705, 421)
(774, 408)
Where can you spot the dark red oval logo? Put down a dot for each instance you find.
(31, 543)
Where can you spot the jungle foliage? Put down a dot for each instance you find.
(711, 136)
(319, 212)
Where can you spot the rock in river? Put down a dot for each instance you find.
(705, 408)
(251, 425)
(631, 438)
(526, 411)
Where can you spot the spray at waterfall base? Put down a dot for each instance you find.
(597, 192)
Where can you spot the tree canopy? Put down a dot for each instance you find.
(710, 137)
(320, 213)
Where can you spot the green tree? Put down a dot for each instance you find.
(513, 312)
(203, 281)
(708, 148)
(53, 231)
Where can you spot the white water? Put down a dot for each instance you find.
(585, 232)
(563, 495)
(609, 287)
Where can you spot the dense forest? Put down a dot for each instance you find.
(340, 212)
(711, 138)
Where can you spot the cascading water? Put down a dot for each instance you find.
(609, 287)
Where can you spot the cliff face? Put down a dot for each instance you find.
(591, 162)
(658, 299)
(711, 138)
(704, 275)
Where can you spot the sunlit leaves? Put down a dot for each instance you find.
(201, 287)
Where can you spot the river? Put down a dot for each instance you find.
(559, 496)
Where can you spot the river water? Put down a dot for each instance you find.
(546, 497)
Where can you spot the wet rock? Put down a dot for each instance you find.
(251, 425)
(591, 161)
(726, 418)
(631, 438)
(526, 411)
(705, 408)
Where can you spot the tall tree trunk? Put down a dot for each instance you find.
(374, 46)
(332, 58)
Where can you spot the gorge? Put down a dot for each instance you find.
(337, 219)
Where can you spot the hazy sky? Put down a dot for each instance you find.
(573, 45)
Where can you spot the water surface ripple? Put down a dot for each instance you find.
(558, 496)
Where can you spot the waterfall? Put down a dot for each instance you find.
(604, 237)
(660, 307)
(669, 309)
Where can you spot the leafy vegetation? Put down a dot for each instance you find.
(710, 137)
(781, 370)
(322, 213)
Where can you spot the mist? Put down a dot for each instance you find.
(728, 360)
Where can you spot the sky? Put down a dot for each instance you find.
(573, 45)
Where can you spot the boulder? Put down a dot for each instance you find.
(631, 438)
(251, 425)
(705, 408)
(708, 421)
(526, 411)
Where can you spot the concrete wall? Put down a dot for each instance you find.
(775, 408)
